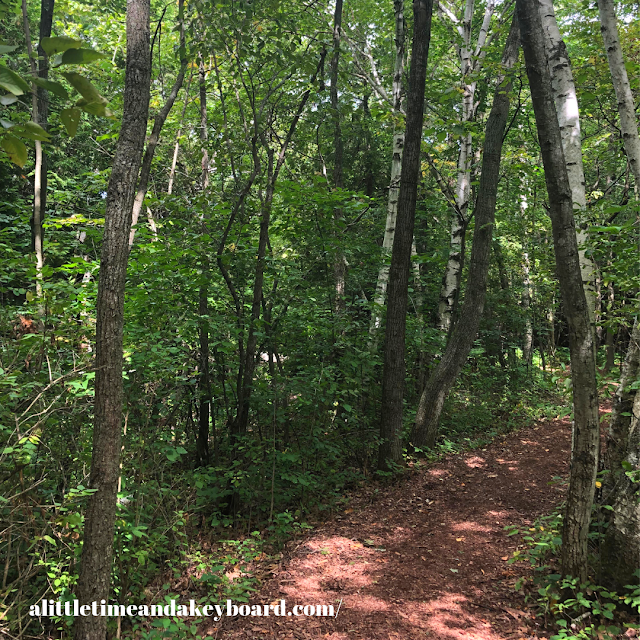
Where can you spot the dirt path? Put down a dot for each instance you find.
(426, 558)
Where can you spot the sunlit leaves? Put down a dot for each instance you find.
(53, 87)
(81, 56)
(12, 82)
(15, 149)
(32, 131)
(91, 102)
(70, 119)
(60, 44)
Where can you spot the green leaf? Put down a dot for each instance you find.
(95, 108)
(15, 149)
(7, 48)
(59, 44)
(12, 82)
(8, 99)
(54, 87)
(81, 56)
(31, 130)
(70, 119)
(84, 88)
(7, 124)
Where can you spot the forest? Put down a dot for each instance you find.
(326, 301)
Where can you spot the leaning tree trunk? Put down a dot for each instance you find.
(158, 123)
(95, 566)
(394, 366)
(621, 547)
(396, 167)
(586, 436)
(626, 107)
(437, 388)
(470, 65)
(566, 101)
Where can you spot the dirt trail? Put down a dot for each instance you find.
(426, 558)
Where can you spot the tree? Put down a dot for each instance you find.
(566, 101)
(425, 429)
(95, 568)
(390, 451)
(471, 59)
(586, 434)
(621, 547)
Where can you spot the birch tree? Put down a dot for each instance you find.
(396, 168)
(566, 101)
(621, 547)
(626, 105)
(586, 433)
(470, 64)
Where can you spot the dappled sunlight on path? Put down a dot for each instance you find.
(425, 558)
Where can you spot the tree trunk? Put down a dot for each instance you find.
(396, 167)
(339, 262)
(40, 111)
(610, 331)
(437, 388)
(394, 365)
(586, 436)
(176, 148)
(527, 347)
(158, 123)
(95, 568)
(566, 101)
(204, 386)
(245, 383)
(621, 547)
(626, 107)
(469, 66)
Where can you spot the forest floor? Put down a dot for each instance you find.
(426, 557)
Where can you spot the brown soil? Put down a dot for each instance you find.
(425, 558)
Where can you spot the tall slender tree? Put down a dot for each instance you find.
(621, 547)
(396, 168)
(586, 435)
(95, 568)
(437, 388)
(394, 347)
(566, 101)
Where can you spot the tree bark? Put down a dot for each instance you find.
(626, 107)
(396, 167)
(621, 548)
(566, 101)
(586, 436)
(158, 123)
(390, 451)
(95, 568)
(204, 385)
(425, 429)
(339, 261)
(40, 110)
(450, 290)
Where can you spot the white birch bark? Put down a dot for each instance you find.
(396, 167)
(470, 62)
(37, 180)
(566, 102)
(626, 107)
